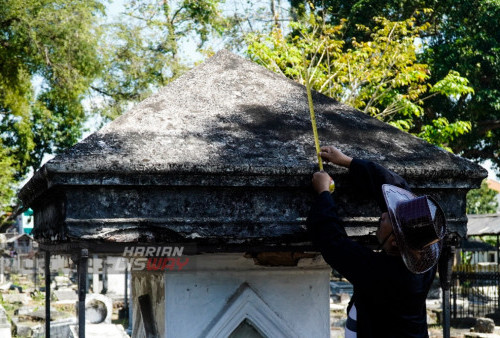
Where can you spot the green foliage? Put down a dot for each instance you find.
(491, 240)
(466, 257)
(380, 75)
(452, 85)
(482, 200)
(38, 296)
(55, 54)
(7, 173)
(463, 36)
(468, 40)
(52, 43)
(441, 131)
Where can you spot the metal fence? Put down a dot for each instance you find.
(475, 290)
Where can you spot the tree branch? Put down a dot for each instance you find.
(101, 91)
(485, 126)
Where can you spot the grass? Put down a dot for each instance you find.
(123, 322)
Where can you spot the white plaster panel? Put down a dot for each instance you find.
(298, 296)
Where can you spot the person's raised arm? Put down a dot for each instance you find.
(334, 155)
(330, 238)
(321, 182)
(367, 177)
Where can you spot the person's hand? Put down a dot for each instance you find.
(321, 181)
(334, 155)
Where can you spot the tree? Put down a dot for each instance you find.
(142, 52)
(482, 200)
(380, 76)
(463, 36)
(82, 67)
(54, 44)
(75, 60)
(468, 40)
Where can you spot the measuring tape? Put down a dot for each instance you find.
(313, 122)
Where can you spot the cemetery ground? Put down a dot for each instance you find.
(458, 330)
(23, 305)
(469, 327)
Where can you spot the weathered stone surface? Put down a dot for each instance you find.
(230, 115)
(24, 330)
(224, 155)
(484, 325)
(23, 310)
(5, 287)
(4, 323)
(98, 308)
(99, 331)
(153, 285)
(62, 281)
(61, 328)
(66, 294)
(28, 329)
(39, 314)
(16, 298)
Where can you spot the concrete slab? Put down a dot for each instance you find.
(100, 331)
(16, 298)
(66, 294)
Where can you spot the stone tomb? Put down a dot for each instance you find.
(220, 162)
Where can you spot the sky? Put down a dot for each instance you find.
(491, 174)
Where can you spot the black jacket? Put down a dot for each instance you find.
(389, 299)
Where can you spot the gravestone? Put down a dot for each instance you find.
(220, 161)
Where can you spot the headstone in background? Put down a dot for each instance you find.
(98, 309)
(100, 331)
(16, 298)
(66, 295)
(4, 324)
(484, 325)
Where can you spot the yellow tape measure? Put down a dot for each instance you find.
(313, 122)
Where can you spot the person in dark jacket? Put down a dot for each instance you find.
(391, 284)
